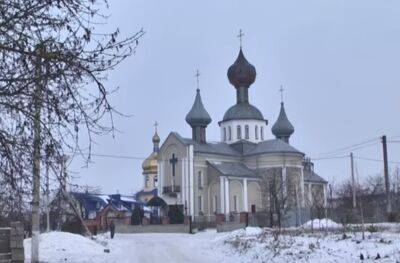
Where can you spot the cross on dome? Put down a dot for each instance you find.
(240, 36)
(281, 91)
(197, 75)
(156, 125)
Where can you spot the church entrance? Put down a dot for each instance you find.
(175, 214)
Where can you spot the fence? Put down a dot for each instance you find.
(177, 228)
(12, 243)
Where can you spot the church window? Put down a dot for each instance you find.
(235, 203)
(230, 133)
(246, 132)
(224, 134)
(256, 132)
(200, 203)
(215, 203)
(239, 132)
(146, 181)
(262, 133)
(155, 182)
(200, 180)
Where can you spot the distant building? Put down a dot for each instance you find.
(241, 171)
(150, 173)
(96, 210)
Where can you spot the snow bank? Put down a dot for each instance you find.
(63, 246)
(322, 224)
(312, 248)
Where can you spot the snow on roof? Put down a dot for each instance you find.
(105, 198)
(129, 199)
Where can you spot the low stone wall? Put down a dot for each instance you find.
(12, 243)
(229, 226)
(178, 228)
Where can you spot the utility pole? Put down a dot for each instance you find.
(353, 181)
(37, 108)
(386, 174)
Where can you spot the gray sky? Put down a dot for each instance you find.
(338, 60)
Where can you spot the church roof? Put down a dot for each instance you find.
(282, 126)
(273, 146)
(243, 110)
(311, 176)
(198, 116)
(265, 147)
(233, 169)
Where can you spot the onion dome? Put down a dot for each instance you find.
(243, 111)
(156, 142)
(282, 128)
(149, 165)
(241, 73)
(198, 116)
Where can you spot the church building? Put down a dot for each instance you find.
(245, 171)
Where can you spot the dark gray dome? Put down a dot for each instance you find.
(282, 127)
(243, 110)
(241, 73)
(198, 116)
(156, 138)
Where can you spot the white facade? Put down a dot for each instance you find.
(249, 130)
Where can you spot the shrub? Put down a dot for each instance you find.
(372, 228)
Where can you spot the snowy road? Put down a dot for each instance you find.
(165, 248)
(129, 248)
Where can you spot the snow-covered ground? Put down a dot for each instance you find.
(249, 245)
(143, 248)
(261, 246)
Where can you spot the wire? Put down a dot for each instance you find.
(375, 160)
(353, 147)
(330, 158)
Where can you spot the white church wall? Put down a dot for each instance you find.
(254, 196)
(171, 147)
(214, 198)
(242, 123)
(235, 195)
(273, 160)
(200, 186)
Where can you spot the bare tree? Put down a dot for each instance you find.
(53, 68)
(277, 197)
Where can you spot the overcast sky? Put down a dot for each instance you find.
(339, 62)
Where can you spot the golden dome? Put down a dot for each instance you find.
(150, 164)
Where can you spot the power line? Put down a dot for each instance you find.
(375, 160)
(354, 146)
(330, 158)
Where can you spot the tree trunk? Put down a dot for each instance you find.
(47, 197)
(37, 102)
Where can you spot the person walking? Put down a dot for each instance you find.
(112, 229)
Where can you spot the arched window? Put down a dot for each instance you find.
(246, 132)
(200, 203)
(256, 132)
(262, 133)
(235, 203)
(224, 134)
(230, 133)
(215, 203)
(200, 180)
(239, 132)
